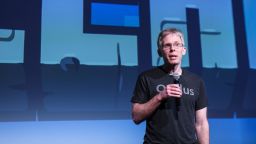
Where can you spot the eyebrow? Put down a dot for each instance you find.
(173, 42)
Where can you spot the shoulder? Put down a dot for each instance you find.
(154, 73)
(191, 76)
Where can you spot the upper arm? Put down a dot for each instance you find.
(140, 92)
(201, 116)
(137, 112)
(202, 100)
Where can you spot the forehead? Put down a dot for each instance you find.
(172, 37)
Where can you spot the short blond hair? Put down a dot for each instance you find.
(166, 32)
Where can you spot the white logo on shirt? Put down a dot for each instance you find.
(187, 91)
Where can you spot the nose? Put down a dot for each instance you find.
(172, 48)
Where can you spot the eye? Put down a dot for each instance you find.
(167, 45)
(177, 44)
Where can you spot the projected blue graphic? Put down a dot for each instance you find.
(11, 46)
(65, 66)
(142, 31)
(250, 30)
(214, 48)
(115, 15)
(61, 64)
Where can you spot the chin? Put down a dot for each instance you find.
(173, 62)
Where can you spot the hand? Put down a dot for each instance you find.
(171, 90)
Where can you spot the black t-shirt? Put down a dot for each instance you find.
(173, 122)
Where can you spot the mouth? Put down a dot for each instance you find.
(173, 57)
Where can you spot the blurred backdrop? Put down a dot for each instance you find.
(68, 67)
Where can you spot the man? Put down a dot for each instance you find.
(171, 100)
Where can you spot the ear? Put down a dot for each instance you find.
(184, 51)
(159, 53)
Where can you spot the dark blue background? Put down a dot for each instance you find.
(61, 83)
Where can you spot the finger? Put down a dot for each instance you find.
(176, 85)
(175, 89)
(178, 94)
(174, 95)
(173, 86)
(174, 92)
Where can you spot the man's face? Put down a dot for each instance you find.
(172, 49)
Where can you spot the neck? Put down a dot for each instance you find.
(173, 69)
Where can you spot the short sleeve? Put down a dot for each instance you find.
(141, 90)
(202, 100)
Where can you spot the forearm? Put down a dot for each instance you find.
(141, 111)
(203, 132)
